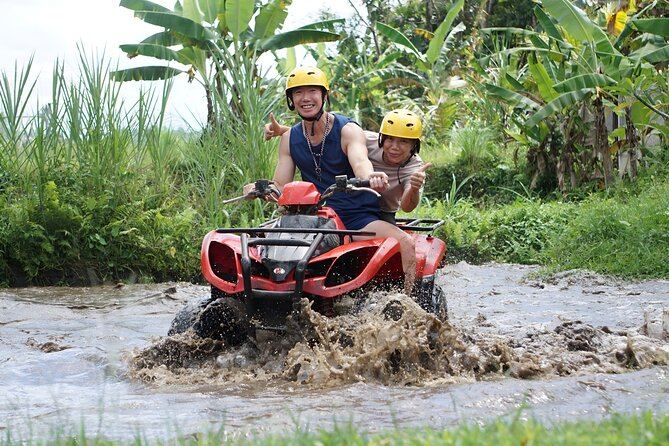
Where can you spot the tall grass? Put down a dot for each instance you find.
(15, 94)
(232, 152)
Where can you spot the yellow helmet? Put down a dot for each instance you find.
(402, 123)
(302, 76)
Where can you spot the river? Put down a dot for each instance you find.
(576, 346)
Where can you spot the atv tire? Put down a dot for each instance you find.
(430, 297)
(220, 317)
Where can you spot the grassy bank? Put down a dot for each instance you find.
(620, 430)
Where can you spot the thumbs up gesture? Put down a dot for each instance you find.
(417, 178)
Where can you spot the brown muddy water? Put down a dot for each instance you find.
(577, 346)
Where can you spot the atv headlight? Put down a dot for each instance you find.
(223, 261)
(349, 266)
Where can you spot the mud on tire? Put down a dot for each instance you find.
(430, 297)
(219, 316)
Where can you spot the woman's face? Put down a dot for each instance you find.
(397, 150)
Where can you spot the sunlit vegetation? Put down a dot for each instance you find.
(548, 138)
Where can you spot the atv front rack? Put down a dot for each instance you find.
(247, 241)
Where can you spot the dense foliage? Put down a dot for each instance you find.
(548, 135)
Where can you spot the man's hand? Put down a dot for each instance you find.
(273, 128)
(418, 177)
(378, 181)
(247, 189)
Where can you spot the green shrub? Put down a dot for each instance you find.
(622, 237)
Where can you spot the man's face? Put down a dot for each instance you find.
(397, 150)
(308, 100)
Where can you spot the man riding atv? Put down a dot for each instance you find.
(323, 145)
(393, 151)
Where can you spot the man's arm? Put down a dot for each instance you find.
(354, 145)
(285, 168)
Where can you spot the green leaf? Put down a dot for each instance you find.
(584, 81)
(557, 104)
(659, 27)
(514, 82)
(512, 97)
(325, 24)
(192, 11)
(181, 25)
(651, 54)
(398, 39)
(543, 80)
(434, 48)
(296, 37)
(211, 9)
(577, 23)
(163, 38)
(150, 73)
(157, 51)
(143, 5)
(238, 14)
(527, 49)
(270, 18)
(547, 24)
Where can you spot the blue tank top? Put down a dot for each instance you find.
(355, 210)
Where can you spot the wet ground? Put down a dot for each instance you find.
(577, 346)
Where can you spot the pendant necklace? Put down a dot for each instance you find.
(317, 164)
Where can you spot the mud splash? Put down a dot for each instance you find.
(392, 341)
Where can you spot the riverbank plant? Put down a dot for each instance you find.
(643, 429)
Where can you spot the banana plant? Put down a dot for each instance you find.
(574, 66)
(196, 33)
(431, 67)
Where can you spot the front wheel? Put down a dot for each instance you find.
(221, 317)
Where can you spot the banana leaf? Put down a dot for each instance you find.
(584, 81)
(150, 73)
(296, 37)
(657, 26)
(143, 5)
(564, 100)
(398, 38)
(510, 96)
(145, 49)
(176, 23)
(238, 14)
(437, 42)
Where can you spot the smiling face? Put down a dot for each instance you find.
(308, 100)
(397, 150)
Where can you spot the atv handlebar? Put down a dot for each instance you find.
(263, 189)
(267, 188)
(344, 184)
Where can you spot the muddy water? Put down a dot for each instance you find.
(576, 346)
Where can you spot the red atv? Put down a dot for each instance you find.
(259, 275)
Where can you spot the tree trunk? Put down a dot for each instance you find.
(211, 118)
(602, 142)
(632, 142)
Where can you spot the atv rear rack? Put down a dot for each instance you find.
(419, 224)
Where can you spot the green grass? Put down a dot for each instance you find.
(619, 430)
